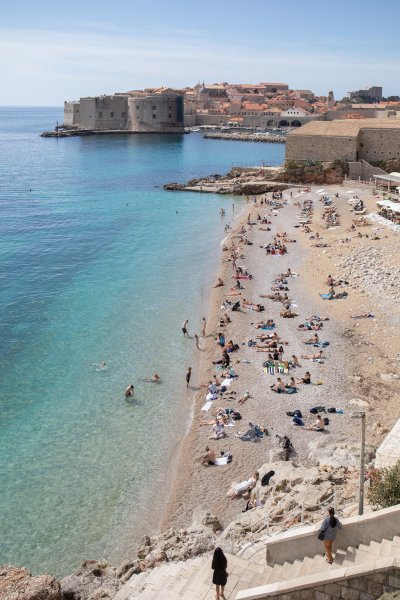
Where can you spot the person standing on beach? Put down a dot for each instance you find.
(233, 209)
(184, 328)
(188, 376)
(220, 576)
(196, 337)
(203, 327)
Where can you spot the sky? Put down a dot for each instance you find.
(51, 51)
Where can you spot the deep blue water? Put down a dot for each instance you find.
(97, 263)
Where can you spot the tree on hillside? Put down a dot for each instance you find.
(385, 490)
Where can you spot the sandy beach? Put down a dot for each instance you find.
(361, 356)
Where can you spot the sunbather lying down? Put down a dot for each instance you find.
(318, 356)
(317, 318)
(310, 325)
(239, 489)
(287, 313)
(363, 316)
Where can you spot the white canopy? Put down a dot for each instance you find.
(394, 206)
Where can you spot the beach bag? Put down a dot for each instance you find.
(297, 413)
(298, 421)
(321, 534)
(223, 389)
(326, 420)
(317, 409)
(331, 410)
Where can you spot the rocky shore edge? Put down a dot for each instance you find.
(99, 580)
(269, 138)
(246, 181)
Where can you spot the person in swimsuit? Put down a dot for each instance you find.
(130, 391)
(184, 327)
(188, 376)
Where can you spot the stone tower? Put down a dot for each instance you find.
(331, 101)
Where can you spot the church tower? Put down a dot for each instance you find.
(331, 101)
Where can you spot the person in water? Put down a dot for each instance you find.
(130, 391)
(155, 379)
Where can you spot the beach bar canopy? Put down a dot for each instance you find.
(393, 206)
(392, 179)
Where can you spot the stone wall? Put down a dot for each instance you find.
(104, 112)
(369, 586)
(379, 144)
(156, 113)
(320, 147)
(71, 113)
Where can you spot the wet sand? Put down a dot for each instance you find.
(351, 370)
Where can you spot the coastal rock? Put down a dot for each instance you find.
(90, 578)
(389, 376)
(127, 569)
(181, 544)
(361, 404)
(338, 454)
(19, 584)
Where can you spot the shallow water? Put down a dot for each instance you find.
(97, 264)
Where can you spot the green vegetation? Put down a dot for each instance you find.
(341, 163)
(313, 163)
(292, 165)
(385, 490)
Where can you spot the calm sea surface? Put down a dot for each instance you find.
(97, 263)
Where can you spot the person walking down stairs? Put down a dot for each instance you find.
(327, 533)
(219, 565)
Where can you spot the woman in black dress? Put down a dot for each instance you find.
(219, 565)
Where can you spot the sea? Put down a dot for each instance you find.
(99, 264)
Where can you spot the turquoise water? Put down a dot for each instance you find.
(97, 263)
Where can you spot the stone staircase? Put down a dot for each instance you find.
(251, 578)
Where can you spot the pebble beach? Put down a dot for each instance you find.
(362, 360)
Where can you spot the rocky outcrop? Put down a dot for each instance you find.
(180, 544)
(93, 580)
(268, 138)
(260, 180)
(19, 584)
(341, 453)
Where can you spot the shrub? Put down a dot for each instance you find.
(385, 490)
(291, 165)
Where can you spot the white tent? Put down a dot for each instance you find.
(394, 206)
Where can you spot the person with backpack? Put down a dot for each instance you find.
(327, 533)
(220, 576)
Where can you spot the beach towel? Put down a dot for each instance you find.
(207, 406)
(226, 382)
(211, 396)
(326, 296)
(223, 460)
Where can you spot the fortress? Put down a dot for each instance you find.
(371, 140)
(153, 113)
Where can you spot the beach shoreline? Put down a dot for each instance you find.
(197, 488)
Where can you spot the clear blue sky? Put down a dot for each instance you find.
(51, 50)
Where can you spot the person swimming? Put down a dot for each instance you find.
(155, 379)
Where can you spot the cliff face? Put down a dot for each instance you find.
(260, 180)
(315, 172)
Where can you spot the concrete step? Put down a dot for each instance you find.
(386, 549)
